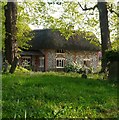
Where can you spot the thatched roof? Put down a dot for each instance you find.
(48, 39)
(31, 53)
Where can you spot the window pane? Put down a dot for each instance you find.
(26, 62)
(41, 61)
(57, 63)
(60, 63)
(60, 51)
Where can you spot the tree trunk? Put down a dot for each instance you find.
(14, 65)
(10, 38)
(104, 28)
(8, 35)
(114, 71)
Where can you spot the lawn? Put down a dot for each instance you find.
(57, 95)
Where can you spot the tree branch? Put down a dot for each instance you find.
(112, 11)
(91, 8)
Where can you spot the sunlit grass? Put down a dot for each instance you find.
(57, 95)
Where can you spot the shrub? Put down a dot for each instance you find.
(72, 67)
(75, 67)
(21, 69)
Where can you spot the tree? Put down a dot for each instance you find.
(70, 18)
(16, 32)
(10, 26)
(104, 25)
(10, 37)
(105, 35)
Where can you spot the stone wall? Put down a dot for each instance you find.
(69, 55)
(51, 60)
(74, 56)
(92, 57)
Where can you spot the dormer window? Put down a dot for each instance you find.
(60, 58)
(60, 51)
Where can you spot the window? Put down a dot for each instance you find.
(60, 63)
(26, 61)
(60, 58)
(60, 51)
(41, 59)
(86, 62)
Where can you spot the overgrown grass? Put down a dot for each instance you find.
(57, 95)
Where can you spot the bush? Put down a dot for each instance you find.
(72, 67)
(21, 69)
(75, 67)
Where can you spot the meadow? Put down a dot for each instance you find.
(57, 95)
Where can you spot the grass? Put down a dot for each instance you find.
(57, 95)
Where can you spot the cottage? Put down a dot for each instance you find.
(50, 51)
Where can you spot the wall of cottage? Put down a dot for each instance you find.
(33, 62)
(51, 60)
(92, 58)
(73, 56)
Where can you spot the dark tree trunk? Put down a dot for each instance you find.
(10, 38)
(8, 35)
(14, 65)
(105, 35)
(114, 71)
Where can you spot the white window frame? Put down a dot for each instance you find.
(41, 58)
(62, 64)
(87, 60)
(26, 58)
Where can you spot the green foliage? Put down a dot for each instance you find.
(68, 16)
(2, 4)
(64, 17)
(75, 67)
(21, 69)
(57, 95)
(92, 38)
(115, 44)
(18, 69)
(113, 22)
(23, 29)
